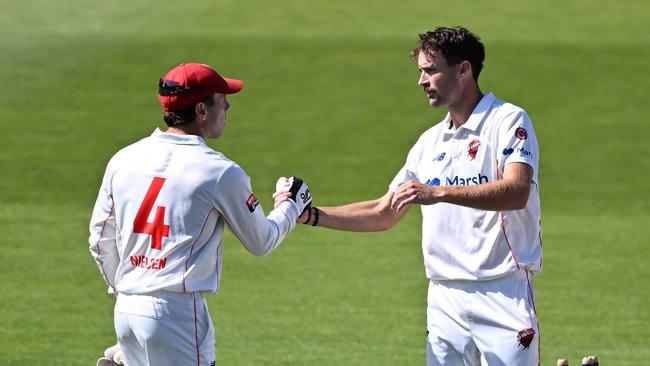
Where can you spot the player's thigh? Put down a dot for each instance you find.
(133, 350)
(502, 349)
(176, 330)
(449, 341)
(504, 325)
(439, 354)
(184, 334)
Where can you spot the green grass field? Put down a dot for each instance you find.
(330, 95)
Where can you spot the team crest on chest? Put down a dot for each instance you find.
(472, 149)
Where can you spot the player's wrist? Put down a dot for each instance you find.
(439, 194)
(313, 216)
(308, 218)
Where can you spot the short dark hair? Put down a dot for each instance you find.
(456, 44)
(187, 114)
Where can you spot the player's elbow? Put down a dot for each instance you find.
(262, 246)
(259, 250)
(519, 198)
(519, 205)
(386, 220)
(385, 224)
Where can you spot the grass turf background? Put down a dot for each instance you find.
(331, 96)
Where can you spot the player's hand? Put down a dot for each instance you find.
(280, 195)
(298, 192)
(413, 192)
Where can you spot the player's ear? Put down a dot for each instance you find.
(464, 68)
(201, 110)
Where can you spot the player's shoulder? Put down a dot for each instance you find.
(224, 162)
(128, 151)
(219, 162)
(217, 158)
(232, 176)
(432, 133)
(504, 109)
(428, 138)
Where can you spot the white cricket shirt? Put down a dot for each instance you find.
(160, 215)
(462, 243)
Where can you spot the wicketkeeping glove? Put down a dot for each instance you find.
(299, 191)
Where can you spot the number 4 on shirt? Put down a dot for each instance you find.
(157, 229)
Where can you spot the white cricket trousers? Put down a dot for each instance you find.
(165, 329)
(492, 322)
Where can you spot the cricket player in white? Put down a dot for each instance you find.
(157, 225)
(475, 175)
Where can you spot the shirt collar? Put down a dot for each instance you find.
(476, 117)
(174, 138)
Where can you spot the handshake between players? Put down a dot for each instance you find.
(295, 189)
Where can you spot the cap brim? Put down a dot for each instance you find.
(234, 85)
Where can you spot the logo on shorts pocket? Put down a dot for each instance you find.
(525, 337)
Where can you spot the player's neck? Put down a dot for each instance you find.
(460, 112)
(186, 129)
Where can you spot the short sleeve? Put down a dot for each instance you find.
(409, 170)
(517, 143)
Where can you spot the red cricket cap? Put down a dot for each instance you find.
(191, 83)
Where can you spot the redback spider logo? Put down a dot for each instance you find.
(472, 149)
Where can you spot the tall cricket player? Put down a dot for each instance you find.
(157, 225)
(475, 177)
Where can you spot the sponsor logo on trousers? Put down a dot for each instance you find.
(525, 337)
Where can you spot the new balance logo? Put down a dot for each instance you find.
(440, 157)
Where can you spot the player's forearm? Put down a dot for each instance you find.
(361, 217)
(261, 235)
(495, 196)
(509, 193)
